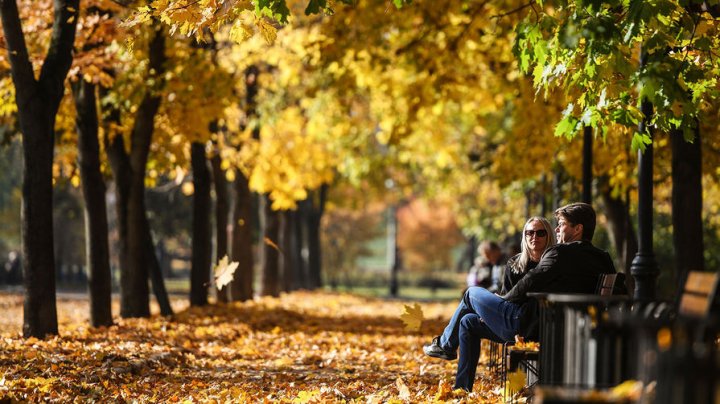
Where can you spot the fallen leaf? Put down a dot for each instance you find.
(403, 390)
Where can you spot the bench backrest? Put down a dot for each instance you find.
(611, 284)
(698, 295)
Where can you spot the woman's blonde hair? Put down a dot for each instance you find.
(520, 264)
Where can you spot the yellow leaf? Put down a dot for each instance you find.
(629, 389)
(240, 32)
(268, 31)
(412, 316)
(444, 390)
(224, 271)
(516, 380)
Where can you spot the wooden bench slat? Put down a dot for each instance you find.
(694, 305)
(701, 282)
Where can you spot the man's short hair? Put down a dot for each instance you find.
(579, 213)
(490, 246)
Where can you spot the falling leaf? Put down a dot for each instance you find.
(224, 271)
(272, 244)
(412, 316)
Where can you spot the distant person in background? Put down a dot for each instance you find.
(12, 269)
(488, 270)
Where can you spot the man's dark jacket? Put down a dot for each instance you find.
(573, 267)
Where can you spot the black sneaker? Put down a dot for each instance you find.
(436, 351)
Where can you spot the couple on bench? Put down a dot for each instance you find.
(573, 265)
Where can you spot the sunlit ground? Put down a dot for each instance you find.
(302, 347)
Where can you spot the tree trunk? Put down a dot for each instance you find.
(687, 204)
(221, 219)
(93, 187)
(40, 312)
(271, 255)
(120, 166)
(134, 284)
(299, 246)
(557, 192)
(137, 257)
(620, 226)
(155, 271)
(241, 288)
(315, 212)
(289, 272)
(587, 173)
(38, 102)
(201, 232)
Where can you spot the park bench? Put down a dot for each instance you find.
(684, 345)
(565, 319)
(670, 348)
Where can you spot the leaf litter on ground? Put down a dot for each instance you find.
(302, 347)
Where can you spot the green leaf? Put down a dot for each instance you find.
(590, 68)
(568, 126)
(274, 9)
(704, 44)
(640, 141)
(400, 3)
(626, 115)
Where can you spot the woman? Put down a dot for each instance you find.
(531, 249)
(466, 328)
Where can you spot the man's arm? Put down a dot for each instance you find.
(535, 278)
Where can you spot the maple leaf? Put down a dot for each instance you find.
(412, 316)
(224, 271)
(516, 381)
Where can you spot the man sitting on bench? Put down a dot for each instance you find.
(573, 266)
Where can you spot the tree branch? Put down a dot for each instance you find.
(59, 56)
(21, 68)
(515, 10)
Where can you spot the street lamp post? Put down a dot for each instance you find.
(644, 268)
(393, 254)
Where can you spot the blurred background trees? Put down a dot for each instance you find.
(301, 144)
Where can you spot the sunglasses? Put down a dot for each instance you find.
(537, 233)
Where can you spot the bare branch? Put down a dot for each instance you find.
(516, 10)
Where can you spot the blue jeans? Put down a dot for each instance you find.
(480, 315)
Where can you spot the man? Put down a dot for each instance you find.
(574, 265)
